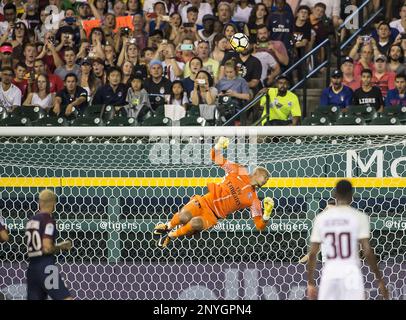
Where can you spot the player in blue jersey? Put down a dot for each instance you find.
(43, 278)
(3, 230)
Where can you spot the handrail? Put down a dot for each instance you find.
(315, 70)
(355, 34)
(289, 70)
(306, 56)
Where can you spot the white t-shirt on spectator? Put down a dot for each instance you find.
(205, 8)
(267, 61)
(397, 24)
(333, 6)
(242, 14)
(11, 97)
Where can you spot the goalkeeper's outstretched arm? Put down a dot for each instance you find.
(216, 152)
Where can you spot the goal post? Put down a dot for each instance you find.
(114, 185)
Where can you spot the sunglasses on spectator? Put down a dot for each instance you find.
(7, 74)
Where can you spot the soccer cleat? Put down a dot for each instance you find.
(161, 229)
(163, 241)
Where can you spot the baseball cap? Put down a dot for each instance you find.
(337, 74)
(282, 77)
(348, 59)
(6, 49)
(209, 17)
(381, 57)
(154, 62)
(86, 61)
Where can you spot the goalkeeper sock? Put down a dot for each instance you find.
(175, 221)
(183, 231)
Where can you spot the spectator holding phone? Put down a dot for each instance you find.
(194, 66)
(49, 53)
(204, 91)
(232, 84)
(173, 69)
(158, 19)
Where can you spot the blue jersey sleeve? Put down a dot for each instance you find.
(324, 100)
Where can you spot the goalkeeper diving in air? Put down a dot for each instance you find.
(237, 191)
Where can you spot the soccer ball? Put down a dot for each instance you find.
(239, 42)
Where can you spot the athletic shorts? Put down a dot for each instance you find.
(198, 206)
(43, 281)
(350, 287)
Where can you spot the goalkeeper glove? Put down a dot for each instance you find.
(222, 143)
(268, 207)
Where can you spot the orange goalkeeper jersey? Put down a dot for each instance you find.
(235, 192)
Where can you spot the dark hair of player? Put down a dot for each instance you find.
(344, 190)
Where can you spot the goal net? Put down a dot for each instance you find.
(114, 186)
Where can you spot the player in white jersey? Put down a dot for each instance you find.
(340, 229)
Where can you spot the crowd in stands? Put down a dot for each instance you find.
(64, 55)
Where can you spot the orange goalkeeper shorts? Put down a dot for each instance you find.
(198, 206)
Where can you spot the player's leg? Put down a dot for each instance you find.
(328, 289)
(202, 219)
(34, 285)
(57, 290)
(352, 286)
(181, 217)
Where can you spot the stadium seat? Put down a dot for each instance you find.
(396, 111)
(331, 112)
(49, 121)
(385, 121)
(33, 113)
(192, 117)
(316, 120)
(3, 113)
(350, 120)
(101, 111)
(156, 118)
(13, 121)
(366, 111)
(87, 122)
(121, 121)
